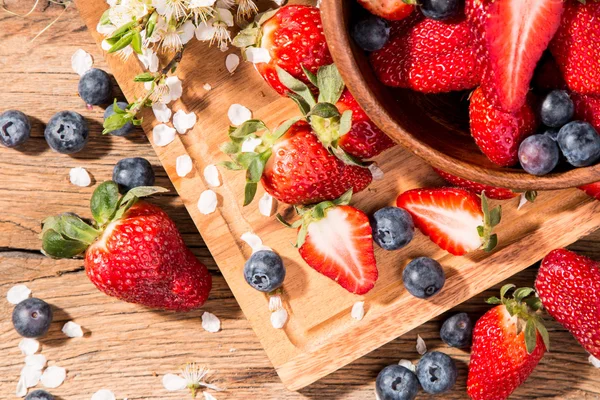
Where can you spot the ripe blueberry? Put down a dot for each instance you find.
(423, 277)
(67, 132)
(393, 228)
(133, 172)
(396, 382)
(95, 87)
(436, 372)
(15, 128)
(32, 318)
(264, 271)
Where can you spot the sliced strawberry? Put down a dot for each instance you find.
(389, 9)
(340, 246)
(491, 192)
(516, 32)
(587, 108)
(548, 76)
(450, 217)
(592, 190)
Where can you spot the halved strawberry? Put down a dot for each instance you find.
(455, 219)
(491, 192)
(516, 34)
(587, 108)
(389, 9)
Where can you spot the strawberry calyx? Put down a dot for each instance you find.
(525, 306)
(252, 34)
(491, 218)
(68, 236)
(312, 214)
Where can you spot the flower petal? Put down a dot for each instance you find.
(279, 318)
(186, 32)
(72, 330)
(17, 294)
(31, 376)
(80, 177)
(207, 87)
(29, 346)
(267, 205)
(595, 362)
(211, 175)
(104, 394)
(358, 310)
(21, 390)
(225, 15)
(149, 59)
(275, 303)
(53, 377)
(238, 114)
(81, 62)
(208, 396)
(162, 112)
(376, 172)
(173, 382)
(257, 55)
(421, 346)
(232, 62)
(210, 322)
(207, 203)
(408, 365)
(205, 32)
(175, 87)
(183, 165)
(183, 121)
(163, 135)
(36, 361)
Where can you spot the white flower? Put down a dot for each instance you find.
(29, 346)
(238, 114)
(53, 377)
(149, 59)
(104, 394)
(183, 121)
(167, 91)
(216, 29)
(17, 294)
(126, 11)
(358, 310)
(105, 29)
(162, 112)
(183, 165)
(80, 177)
(125, 53)
(192, 377)
(72, 330)
(81, 62)
(211, 175)
(202, 10)
(232, 62)
(163, 135)
(246, 9)
(207, 203)
(376, 172)
(170, 8)
(174, 38)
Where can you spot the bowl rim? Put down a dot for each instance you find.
(333, 13)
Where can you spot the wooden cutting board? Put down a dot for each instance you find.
(321, 336)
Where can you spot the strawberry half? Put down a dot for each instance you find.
(498, 133)
(455, 219)
(133, 250)
(569, 287)
(336, 240)
(508, 343)
(394, 10)
(587, 108)
(516, 34)
(491, 192)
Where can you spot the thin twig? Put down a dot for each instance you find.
(51, 23)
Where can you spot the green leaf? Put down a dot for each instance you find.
(248, 37)
(344, 199)
(311, 77)
(255, 170)
(493, 300)
(230, 165)
(249, 192)
(302, 235)
(492, 242)
(75, 228)
(281, 130)
(245, 159)
(531, 195)
(505, 290)
(104, 202)
(261, 18)
(530, 336)
(247, 128)
(346, 158)
(543, 332)
(345, 122)
(105, 18)
(296, 86)
(115, 122)
(142, 191)
(282, 220)
(480, 230)
(534, 303)
(495, 216)
(302, 105)
(136, 42)
(145, 77)
(330, 84)
(325, 110)
(122, 43)
(230, 148)
(520, 293)
(57, 246)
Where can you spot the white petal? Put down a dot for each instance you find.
(207, 203)
(225, 15)
(81, 62)
(279, 318)
(29, 346)
(522, 201)
(183, 165)
(183, 121)
(21, 390)
(421, 347)
(173, 382)
(104, 394)
(231, 62)
(408, 365)
(205, 32)
(250, 144)
(267, 205)
(208, 396)
(238, 114)
(53, 377)
(201, 3)
(358, 310)
(207, 87)
(210, 322)
(211, 175)
(163, 135)
(105, 45)
(31, 376)
(186, 32)
(253, 241)
(595, 362)
(17, 294)
(376, 172)
(36, 361)
(275, 303)
(148, 85)
(80, 177)
(149, 59)
(162, 112)
(257, 55)
(175, 87)
(72, 330)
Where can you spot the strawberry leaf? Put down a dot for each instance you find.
(345, 122)
(521, 293)
(543, 332)
(505, 290)
(104, 202)
(132, 197)
(56, 245)
(530, 336)
(531, 195)
(330, 84)
(249, 192)
(494, 300)
(311, 77)
(281, 130)
(75, 228)
(534, 303)
(296, 86)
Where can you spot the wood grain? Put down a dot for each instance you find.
(129, 348)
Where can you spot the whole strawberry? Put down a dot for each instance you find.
(569, 288)
(508, 342)
(498, 133)
(491, 192)
(394, 10)
(587, 108)
(133, 250)
(575, 46)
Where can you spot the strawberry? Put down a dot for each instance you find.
(293, 36)
(292, 164)
(455, 219)
(592, 190)
(548, 76)
(491, 192)
(394, 10)
(587, 108)
(569, 287)
(132, 251)
(336, 240)
(497, 133)
(508, 343)
(430, 56)
(575, 46)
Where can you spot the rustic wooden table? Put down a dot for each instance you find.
(128, 348)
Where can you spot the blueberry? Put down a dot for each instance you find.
(371, 33)
(32, 318)
(67, 132)
(539, 154)
(396, 382)
(423, 277)
(440, 9)
(393, 228)
(39, 395)
(15, 128)
(95, 87)
(557, 109)
(264, 271)
(579, 143)
(127, 128)
(436, 372)
(457, 330)
(133, 172)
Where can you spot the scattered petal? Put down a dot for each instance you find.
(225, 15)
(104, 394)
(17, 294)
(186, 32)
(163, 135)
(211, 175)
(72, 330)
(275, 303)
(232, 350)
(183, 121)
(53, 377)
(376, 172)
(267, 205)
(522, 201)
(173, 382)
(279, 318)
(162, 112)
(421, 347)
(207, 87)
(36, 361)
(21, 387)
(408, 365)
(207, 204)
(238, 114)
(175, 87)
(31, 376)
(210, 322)
(254, 242)
(208, 396)
(250, 144)
(257, 55)
(81, 62)
(358, 310)
(595, 362)
(29, 346)
(183, 165)
(231, 62)
(80, 177)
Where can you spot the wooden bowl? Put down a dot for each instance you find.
(434, 127)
